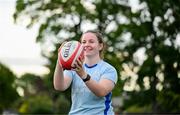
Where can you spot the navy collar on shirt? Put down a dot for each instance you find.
(90, 66)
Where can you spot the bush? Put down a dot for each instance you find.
(39, 104)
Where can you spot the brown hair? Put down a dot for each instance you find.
(100, 40)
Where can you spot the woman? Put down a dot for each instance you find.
(92, 80)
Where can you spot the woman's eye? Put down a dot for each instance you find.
(83, 42)
(91, 41)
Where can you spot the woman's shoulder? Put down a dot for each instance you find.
(106, 64)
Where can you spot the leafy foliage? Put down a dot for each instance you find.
(8, 93)
(152, 29)
(31, 84)
(38, 104)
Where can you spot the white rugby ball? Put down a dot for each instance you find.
(69, 52)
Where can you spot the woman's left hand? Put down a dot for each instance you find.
(78, 67)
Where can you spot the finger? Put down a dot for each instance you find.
(82, 59)
(73, 67)
(74, 64)
(77, 69)
(79, 62)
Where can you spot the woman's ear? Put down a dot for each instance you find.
(101, 46)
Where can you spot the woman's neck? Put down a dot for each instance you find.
(90, 61)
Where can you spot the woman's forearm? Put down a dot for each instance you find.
(101, 88)
(58, 80)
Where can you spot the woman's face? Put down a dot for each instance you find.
(91, 44)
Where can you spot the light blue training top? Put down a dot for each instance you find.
(84, 102)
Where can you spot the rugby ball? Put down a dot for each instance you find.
(69, 52)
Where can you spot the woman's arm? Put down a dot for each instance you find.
(101, 88)
(60, 81)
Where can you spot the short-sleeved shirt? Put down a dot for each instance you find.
(85, 102)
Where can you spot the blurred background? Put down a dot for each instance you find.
(143, 39)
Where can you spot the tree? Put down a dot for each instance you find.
(31, 84)
(37, 104)
(155, 29)
(151, 30)
(8, 93)
(63, 20)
